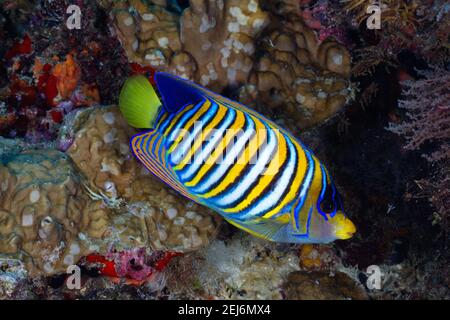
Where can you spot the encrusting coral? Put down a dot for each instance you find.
(227, 31)
(43, 209)
(149, 35)
(297, 72)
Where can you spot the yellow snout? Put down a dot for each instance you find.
(344, 227)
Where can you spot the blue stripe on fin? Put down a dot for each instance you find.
(143, 146)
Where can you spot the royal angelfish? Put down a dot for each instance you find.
(233, 160)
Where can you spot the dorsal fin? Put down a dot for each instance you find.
(176, 92)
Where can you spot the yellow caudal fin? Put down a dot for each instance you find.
(139, 102)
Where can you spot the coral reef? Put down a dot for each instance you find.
(228, 31)
(419, 25)
(247, 268)
(72, 193)
(53, 70)
(296, 72)
(282, 64)
(43, 210)
(57, 207)
(149, 35)
(241, 268)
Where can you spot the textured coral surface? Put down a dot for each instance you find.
(43, 210)
(279, 63)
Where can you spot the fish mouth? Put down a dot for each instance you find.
(346, 235)
(344, 227)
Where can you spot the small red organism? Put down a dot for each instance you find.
(24, 47)
(47, 85)
(134, 266)
(7, 120)
(165, 259)
(147, 71)
(109, 267)
(22, 92)
(57, 116)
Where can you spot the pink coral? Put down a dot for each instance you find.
(132, 264)
(427, 105)
(136, 266)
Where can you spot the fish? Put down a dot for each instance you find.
(233, 160)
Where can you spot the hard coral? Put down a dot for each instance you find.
(51, 215)
(297, 72)
(43, 209)
(150, 36)
(225, 44)
(227, 31)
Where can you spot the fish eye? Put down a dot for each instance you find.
(327, 204)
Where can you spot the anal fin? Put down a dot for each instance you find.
(266, 229)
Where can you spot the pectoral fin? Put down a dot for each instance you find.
(264, 228)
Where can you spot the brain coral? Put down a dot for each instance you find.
(306, 77)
